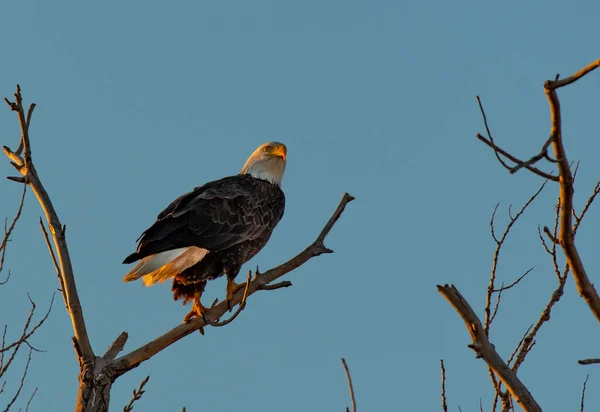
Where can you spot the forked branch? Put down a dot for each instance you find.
(566, 235)
(485, 350)
(24, 165)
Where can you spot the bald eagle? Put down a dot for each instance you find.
(213, 230)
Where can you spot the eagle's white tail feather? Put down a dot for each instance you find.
(161, 266)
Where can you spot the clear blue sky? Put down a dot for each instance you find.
(138, 102)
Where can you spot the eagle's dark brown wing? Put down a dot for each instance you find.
(215, 216)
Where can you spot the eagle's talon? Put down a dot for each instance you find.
(198, 309)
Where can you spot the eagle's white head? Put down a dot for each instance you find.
(267, 162)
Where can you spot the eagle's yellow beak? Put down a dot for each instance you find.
(280, 151)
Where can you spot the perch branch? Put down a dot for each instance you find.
(145, 352)
(26, 167)
(350, 386)
(566, 235)
(485, 350)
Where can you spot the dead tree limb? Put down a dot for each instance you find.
(145, 352)
(485, 350)
(566, 236)
(350, 386)
(97, 374)
(25, 166)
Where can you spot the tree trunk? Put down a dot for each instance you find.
(95, 382)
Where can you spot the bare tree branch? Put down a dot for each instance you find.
(8, 231)
(350, 386)
(145, 352)
(444, 402)
(30, 399)
(516, 160)
(485, 350)
(589, 361)
(561, 83)
(20, 388)
(566, 236)
(583, 393)
(116, 347)
(25, 166)
(489, 316)
(137, 395)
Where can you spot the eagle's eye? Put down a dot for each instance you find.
(267, 149)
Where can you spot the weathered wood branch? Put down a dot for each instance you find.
(566, 235)
(260, 282)
(25, 166)
(97, 373)
(486, 351)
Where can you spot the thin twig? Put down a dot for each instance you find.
(137, 395)
(590, 67)
(516, 160)
(8, 231)
(20, 388)
(350, 386)
(489, 133)
(583, 393)
(444, 402)
(489, 316)
(589, 202)
(503, 288)
(30, 399)
(543, 154)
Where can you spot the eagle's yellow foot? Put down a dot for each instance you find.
(198, 309)
(232, 288)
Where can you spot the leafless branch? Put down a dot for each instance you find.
(8, 231)
(27, 169)
(145, 352)
(503, 288)
(516, 160)
(512, 355)
(561, 83)
(485, 350)
(528, 342)
(489, 316)
(444, 401)
(583, 393)
(350, 386)
(137, 395)
(589, 202)
(54, 261)
(489, 133)
(566, 236)
(30, 399)
(543, 154)
(25, 335)
(20, 388)
(589, 361)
